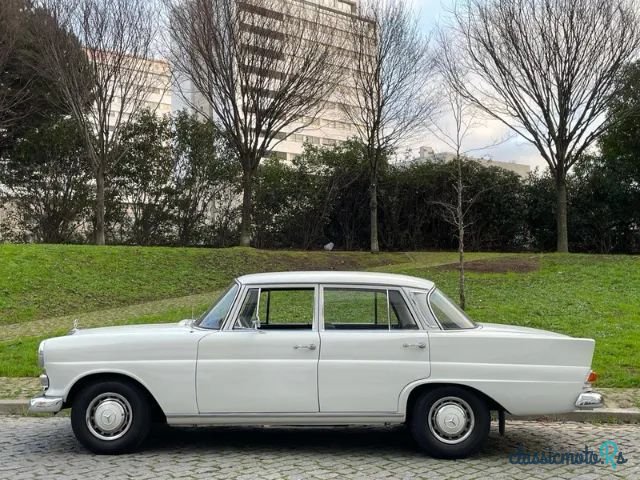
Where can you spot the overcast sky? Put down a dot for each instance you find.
(432, 12)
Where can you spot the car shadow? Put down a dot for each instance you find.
(347, 441)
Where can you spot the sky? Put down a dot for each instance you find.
(488, 132)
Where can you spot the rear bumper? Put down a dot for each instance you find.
(44, 404)
(588, 400)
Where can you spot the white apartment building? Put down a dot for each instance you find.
(158, 87)
(153, 91)
(330, 127)
(427, 154)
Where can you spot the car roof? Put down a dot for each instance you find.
(336, 277)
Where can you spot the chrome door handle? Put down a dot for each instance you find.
(415, 345)
(308, 347)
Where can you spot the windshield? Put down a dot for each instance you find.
(214, 317)
(450, 316)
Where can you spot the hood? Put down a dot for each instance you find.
(512, 329)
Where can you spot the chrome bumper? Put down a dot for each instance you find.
(588, 400)
(45, 404)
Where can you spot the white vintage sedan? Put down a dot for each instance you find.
(315, 348)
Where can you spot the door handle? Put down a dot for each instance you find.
(307, 347)
(415, 345)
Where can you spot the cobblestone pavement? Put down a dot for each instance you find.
(45, 448)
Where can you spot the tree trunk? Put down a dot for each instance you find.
(460, 215)
(373, 210)
(247, 197)
(561, 214)
(99, 229)
(463, 298)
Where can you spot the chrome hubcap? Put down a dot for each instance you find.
(451, 420)
(109, 416)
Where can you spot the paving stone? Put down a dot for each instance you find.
(37, 447)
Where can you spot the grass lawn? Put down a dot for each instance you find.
(581, 295)
(41, 281)
(594, 296)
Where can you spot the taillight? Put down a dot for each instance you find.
(593, 376)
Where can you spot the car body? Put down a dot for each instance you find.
(315, 348)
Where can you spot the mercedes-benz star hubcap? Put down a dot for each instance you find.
(451, 420)
(109, 416)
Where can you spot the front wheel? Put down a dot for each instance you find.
(450, 422)
(111, 417)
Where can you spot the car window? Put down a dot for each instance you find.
(366, 309)
(215, 316)
(277, 309)
(450, 316)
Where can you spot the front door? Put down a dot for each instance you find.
(372, 347)
(266, 360)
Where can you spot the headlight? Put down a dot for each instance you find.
(41, 355)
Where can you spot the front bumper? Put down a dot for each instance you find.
(44, 404)
(587, 400)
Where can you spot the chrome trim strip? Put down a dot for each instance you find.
(44, 404)
(302, 415)
(284, 419)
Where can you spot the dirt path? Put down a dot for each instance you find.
(102, 318)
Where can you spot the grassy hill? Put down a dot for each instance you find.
(43, 287)
(40, 281)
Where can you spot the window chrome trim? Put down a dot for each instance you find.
(242, 295)
(385, 288)
(428, 317)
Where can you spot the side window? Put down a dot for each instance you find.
(277, 309)
(366, 309)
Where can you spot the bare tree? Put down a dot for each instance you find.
(266, 68)
(11, 27)
(546, 69)
(107, 83)
(389, 99)
(464, 119)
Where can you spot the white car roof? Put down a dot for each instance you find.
(358, 278)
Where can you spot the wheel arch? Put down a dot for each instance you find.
(158, 414)
(411, 394)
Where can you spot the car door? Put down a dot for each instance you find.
(372, 347)
(265, 360)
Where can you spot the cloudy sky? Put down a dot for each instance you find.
(489, 132)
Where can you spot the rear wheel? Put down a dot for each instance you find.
(450, 422)
(111, 417)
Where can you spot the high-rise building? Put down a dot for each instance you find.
(327, 129)
(151, 89)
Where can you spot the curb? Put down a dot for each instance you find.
(600, 415)
(14, 407)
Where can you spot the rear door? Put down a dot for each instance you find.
(372, 347)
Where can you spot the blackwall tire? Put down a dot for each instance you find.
(111, 417)
(450, 422)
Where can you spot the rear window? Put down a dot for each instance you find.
(447, 313)
(450, 316)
